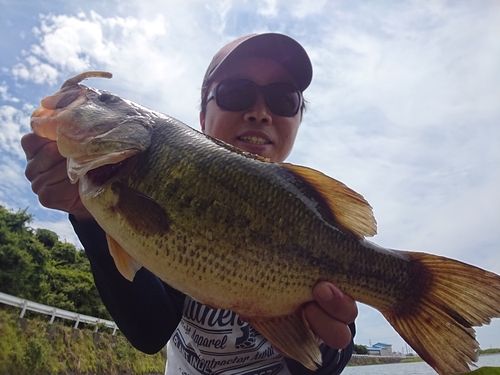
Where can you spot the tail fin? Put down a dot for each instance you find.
(455, 297)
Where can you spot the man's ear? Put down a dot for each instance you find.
(202, 121)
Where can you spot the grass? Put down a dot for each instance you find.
(489, 351)
(412, 359)
(35, 347)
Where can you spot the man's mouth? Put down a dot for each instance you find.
(254, 140)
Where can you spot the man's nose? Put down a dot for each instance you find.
(259, 112)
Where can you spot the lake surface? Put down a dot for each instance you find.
(414, 368)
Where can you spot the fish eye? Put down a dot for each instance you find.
(106, 97)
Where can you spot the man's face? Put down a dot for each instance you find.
(257, 130)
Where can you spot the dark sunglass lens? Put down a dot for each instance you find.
(236, 95)
(283, 99)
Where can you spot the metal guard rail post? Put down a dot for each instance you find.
(54, 312)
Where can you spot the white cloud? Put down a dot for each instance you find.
(219, 11)
(12, 176)
(5, 94)
(268, 8)
(404, 104)
(487, 336)
(128, 47)
(305, 8)
(15, 192)
(13, 124)
(32, 69)
(408, 117)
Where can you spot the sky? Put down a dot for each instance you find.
(404, 106)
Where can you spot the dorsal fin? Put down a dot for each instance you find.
(350, 209)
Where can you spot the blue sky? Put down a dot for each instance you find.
(404, 104)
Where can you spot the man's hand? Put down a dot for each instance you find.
(46, 170)
(330, 314)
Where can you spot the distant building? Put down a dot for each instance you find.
(380, 348)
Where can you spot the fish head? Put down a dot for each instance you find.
(92, 127)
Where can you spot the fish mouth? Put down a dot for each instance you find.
(100, 175)
(100, 168)
(45, 120)
(94, 181)
(54, 114)
(72, 143)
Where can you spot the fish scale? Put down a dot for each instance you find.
(236, 232)
(297, 261)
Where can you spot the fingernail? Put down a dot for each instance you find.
(337, 293)
(327, 292)
(324, 292)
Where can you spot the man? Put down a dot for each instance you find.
(252, 99)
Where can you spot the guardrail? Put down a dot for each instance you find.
(54, 312)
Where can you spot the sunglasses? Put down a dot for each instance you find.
(238, 94)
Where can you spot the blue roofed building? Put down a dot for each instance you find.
(380, 348)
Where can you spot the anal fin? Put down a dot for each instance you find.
(127, 266)
(291, 336)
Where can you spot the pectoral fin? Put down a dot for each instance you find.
(291, 336)
(143, 214)
(123, 261)
(350, 209)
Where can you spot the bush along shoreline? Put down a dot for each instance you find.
(32, 346)
(375, 360)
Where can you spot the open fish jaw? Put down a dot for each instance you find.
(79, 167)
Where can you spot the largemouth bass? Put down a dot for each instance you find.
(237, 232)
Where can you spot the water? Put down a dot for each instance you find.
(414, 368)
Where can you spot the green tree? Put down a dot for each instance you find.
(36, 265)
(46, 237)
(22, 257)
(360, 349)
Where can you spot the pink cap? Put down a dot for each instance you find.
(281, 48)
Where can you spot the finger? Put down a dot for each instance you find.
(46, 158)
(47, 175)
(32, 143)
(56, 193)
(335, 303)
(332, 332)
